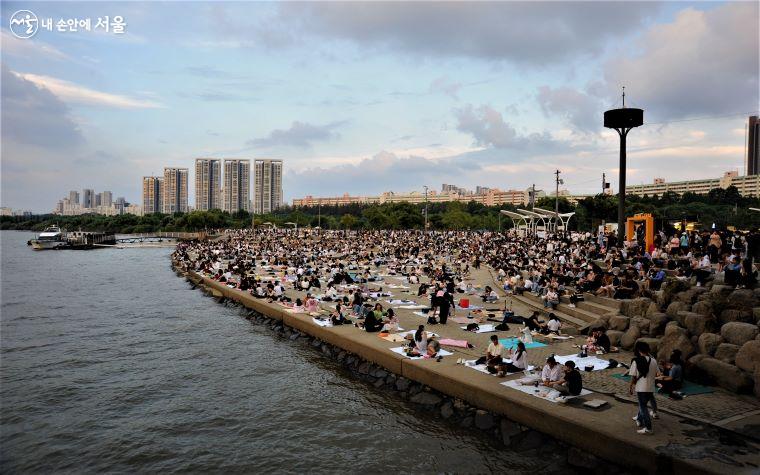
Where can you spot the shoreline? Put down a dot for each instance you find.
(587, 433)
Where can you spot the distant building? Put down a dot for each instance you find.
(753, 146)
(120, 204)
(88, 198)
(6, 211)
(493, 197)
(106, 199)
(481, 190)
(267, 185)
(59, 207)
(74, 197)
(153, 195)
(237, 185)
(208, 179)
(175, 190)
(748, 185)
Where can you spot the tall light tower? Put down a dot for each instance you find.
(622, 120)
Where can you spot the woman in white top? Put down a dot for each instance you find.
(554, 325)
(519, 361)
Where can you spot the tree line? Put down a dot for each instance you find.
(721, 207)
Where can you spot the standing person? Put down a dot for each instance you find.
(445, 304)
(643, 373)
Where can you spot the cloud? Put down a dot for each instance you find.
(300, 134)
(74, 93)
(704, 62)
(489, 129)
(581, 110)
(32, 115)
(445, 86)
(525, 32)
(28, 48)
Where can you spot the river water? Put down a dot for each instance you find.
(110, 362)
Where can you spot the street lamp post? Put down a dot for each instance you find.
(622, 121)
(426, 209)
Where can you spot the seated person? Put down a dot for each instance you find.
(493, 354)
(519, 361)
(552, 372)
(390, 325)
(489, 295)
(672, 378)
(551, 299)
(656, 280)
(373, 321)
(337, 318)
(554, 325)
(419, 343)
(599, 341)
(534, 323)
(571, 383)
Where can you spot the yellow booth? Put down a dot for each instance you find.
(648, 222)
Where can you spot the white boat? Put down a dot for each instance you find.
(51, 238)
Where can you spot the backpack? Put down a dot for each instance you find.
(502, 327)
(471, 327)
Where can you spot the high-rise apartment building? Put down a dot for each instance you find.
(753, 146)
(106, 198)
(121, 203)
(88, 198)
(74, 197)
(153, 195)
(267, 185)
(175, 190)
(208, 178)
(237, 185)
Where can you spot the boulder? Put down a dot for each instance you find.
(642, 323)
(657, 323)
(597, 324)
(509, 430)
(654, 344)
(426, 399)
(619, 322)
(756, 314)
(721, 289)
(726, 352)
(652, 309)
(742, 299)
(736, 315)
(681, 317)
(757, 381)
(697, 324)
(675, 339)
(674, 308)
(670, 290)
(614, 336)
(629, 337)
(635, 307)
(738, 333)
(748, 357)
(689, 296)
(483, 420)
(708, 343)
(725, 375)
(673, 327)
(703, 307)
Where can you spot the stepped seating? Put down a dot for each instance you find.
(582, 315)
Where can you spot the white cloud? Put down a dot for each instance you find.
(74, 93)
(30, 49)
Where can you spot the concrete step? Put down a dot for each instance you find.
(576, 312)
(596, 308)
(531, 303)
(607, 302)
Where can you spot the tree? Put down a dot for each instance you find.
(348, 221)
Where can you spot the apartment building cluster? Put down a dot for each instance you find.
(219, 184)
(90, 202)
(484, 195)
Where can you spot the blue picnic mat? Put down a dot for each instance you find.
(512, 343)
(688, 388)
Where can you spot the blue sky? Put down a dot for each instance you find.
(369, 97)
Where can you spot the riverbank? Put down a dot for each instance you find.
(676, 446)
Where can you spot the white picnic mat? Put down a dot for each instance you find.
(322, 323)
(413, 307)
(482, 367)
(412, 332)
(401, 302)
(485, 328)
(400, 351)
(581, 363)
(541, 391)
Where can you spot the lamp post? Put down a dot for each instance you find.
(622, 121)
(426, 209)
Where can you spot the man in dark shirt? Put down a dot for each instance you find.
(572, 383)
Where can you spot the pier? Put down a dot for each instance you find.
(704, 443)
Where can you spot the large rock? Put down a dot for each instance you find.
(681, 317)
(738, 333)
(756, 314)
(426, 399)
(483, 420)
(635, 307)
(673, 327)
(697, 324)
(708, 343)
(726, 352)
(657, 323)
(736, 315)
(652, 309)
(619, 322)
(721, 289)
(614, 336)
(629, 337)
(654, 344)
(674, 308)
(642, 323)
(675, 339)
(689, 296)
(725, 375)
(742, 299)
(703, 307)
(757, 381)
(748, 357)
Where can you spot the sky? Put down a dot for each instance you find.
(368, 97)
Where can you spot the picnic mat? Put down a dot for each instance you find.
(414, 307)
(540, 391)
(553, 336)
(392, 337)
(581, 363)
(688, 388)
(512, 343)
(401, 302)
(400, 351)
(482, 367)
(322, 323)
(484, 328)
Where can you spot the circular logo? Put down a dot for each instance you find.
(24, 24)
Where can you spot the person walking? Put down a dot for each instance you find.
(643, 373)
